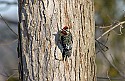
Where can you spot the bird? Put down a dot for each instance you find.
(65, 39)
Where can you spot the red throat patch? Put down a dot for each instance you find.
(63, 32)
(65, 27)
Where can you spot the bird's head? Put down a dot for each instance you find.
(65, 30)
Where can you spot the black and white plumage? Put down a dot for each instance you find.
(65, 39)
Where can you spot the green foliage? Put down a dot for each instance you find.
(113, 72)
(13, 79)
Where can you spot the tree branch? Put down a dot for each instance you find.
(117, 25)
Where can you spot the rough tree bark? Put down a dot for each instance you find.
(39, 23)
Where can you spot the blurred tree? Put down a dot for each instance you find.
(106, 10)
(110, 13)
(8, 39)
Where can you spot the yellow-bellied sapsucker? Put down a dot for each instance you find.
(65, 39)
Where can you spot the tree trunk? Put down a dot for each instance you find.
(39, 22)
